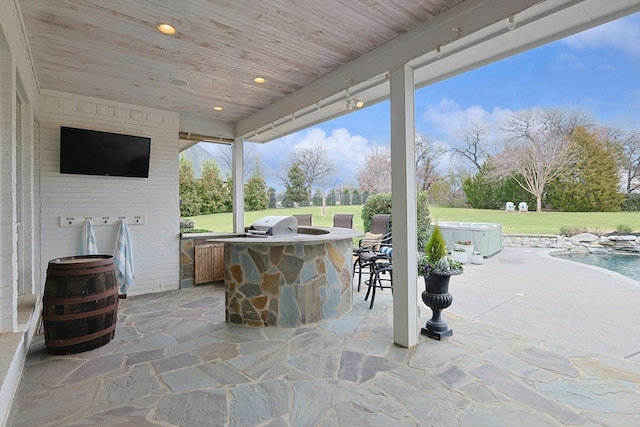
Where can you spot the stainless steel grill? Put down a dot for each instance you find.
(273, 226)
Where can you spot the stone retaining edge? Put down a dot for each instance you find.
(583, 242)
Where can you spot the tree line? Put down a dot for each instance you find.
(547, 158)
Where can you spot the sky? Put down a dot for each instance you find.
(596, 71)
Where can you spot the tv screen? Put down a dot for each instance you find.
(90, 152)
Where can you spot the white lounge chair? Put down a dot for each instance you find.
(509, 207)
(522, 207)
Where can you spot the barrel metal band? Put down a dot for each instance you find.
(79, 340)
(76, 316)
(84, 271)
(77, 300)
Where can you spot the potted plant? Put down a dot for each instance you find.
(467, 246)
(460, 254)
(476, 258)
(437, 268)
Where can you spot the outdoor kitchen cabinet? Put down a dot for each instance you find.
(208, 263)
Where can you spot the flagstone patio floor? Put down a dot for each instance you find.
(175, 362)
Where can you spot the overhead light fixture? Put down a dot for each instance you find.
(217, 108)
(166, 29)
(439, 51)
(260, 80)
(512, 23)
(353, 102)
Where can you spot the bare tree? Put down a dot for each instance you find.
(249, 158)
(470, 143)
(428, 155)
(627, 143)
(315, 165)
(538, 148)
(448, 191)
(375, 173)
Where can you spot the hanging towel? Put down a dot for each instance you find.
(123, 258)
(87, 244)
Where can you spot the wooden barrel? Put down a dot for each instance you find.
(80, 303)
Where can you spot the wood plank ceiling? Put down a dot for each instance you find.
(111, 49)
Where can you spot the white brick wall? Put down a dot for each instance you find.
(8, 240)
(156, 243)
(26, 238)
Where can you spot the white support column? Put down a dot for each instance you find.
(238, 185)
(403, 178)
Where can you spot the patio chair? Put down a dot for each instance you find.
(380, 223)
(381, 275)
(509, 207)
(365, 252)
(343, 220)
(304, 219)
(522, 207)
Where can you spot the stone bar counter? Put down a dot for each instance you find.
(289, 281)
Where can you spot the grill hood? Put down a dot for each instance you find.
(274, 226)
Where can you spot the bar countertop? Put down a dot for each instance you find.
(311, 235)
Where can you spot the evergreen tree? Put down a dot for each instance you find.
(272, 198)
(256, 197)
(592, 183)
(295, 187)
(486, 191)
(317, 197)
(228, 194)
(511, 191)
(211, 189)
(189, 198)
(481, 190)
(331, 198)
(345, 199)
(287, 203)
(356, 199)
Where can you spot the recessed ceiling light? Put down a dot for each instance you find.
(260, 80)
(178, 82)
(217, 108)
(166, 29)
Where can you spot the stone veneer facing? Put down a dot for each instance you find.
(288, 285)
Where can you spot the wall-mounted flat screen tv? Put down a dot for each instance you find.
(90, 152)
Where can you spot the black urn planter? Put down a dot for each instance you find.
(437, 297)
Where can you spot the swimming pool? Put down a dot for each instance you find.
(629, 265)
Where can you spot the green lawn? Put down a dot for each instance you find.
(512, 222)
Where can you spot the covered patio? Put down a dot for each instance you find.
(174, 361)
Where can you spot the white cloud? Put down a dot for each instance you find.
(347, 152)
(447, 118)
(622, 34)
(565, 60)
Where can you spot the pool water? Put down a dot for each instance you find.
(629, 265)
